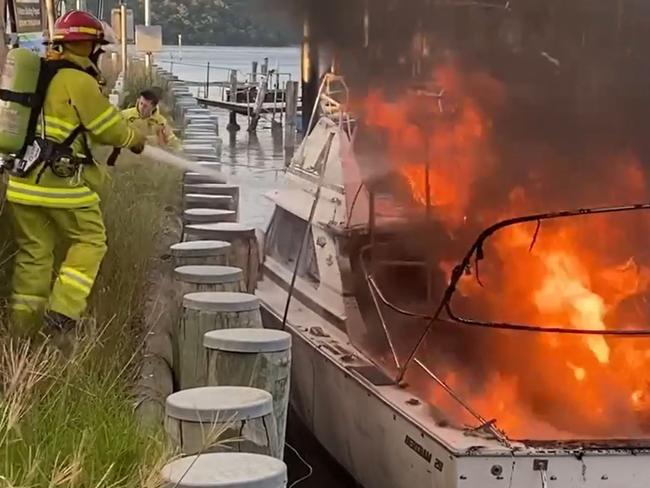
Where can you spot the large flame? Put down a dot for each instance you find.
(428, 137)
(579, 275)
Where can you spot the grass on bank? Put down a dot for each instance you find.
(71, 423)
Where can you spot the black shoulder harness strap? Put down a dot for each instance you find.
(49, 69)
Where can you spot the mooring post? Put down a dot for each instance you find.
(207, 81)
(254, 72)
(202, 277)
(291, 104)
(309, 73)
(244, 251)
(233, 126)
(233, 86)
(260, 358)
(243, 414)
(234, 469)
(203, 312)
(259, 103)
(200, 253)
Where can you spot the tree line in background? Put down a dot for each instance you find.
(211, 22)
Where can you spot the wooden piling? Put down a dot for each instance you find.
(233, 126)
(222, 418)
(215, 189)
(200, 253)
(228, 469)
(202, 313)
(262, 88)
(208, 215)
(195, 200)
(291, 114)
(197, 278)
(244, 252)
(234, 85)
(260, 358)
(192, 178)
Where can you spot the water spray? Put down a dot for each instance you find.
(160, 155)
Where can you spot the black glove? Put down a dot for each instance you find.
(137, 148)
(112, 159)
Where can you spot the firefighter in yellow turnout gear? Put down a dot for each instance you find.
(57, 199)
(146, 118)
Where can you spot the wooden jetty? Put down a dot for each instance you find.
(243, 108)
(269, 93)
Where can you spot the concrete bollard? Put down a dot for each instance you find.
(194, 216)
(195, 200)
(221, 418)
(204, 312)
(193, 279)
(260, 358)
(194, 136)
(215, 189)
(244, 252)
(198, 148)
(225, 470)
(200, 140)
(208, 215)
(200, 253)
(199, 178)
(196, 131)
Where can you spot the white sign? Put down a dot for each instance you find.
(28, 16)
(115, 24)
(148, 38)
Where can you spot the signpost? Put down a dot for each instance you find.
(29, 16)
(116, 23)
(27, 24)
(148, 39)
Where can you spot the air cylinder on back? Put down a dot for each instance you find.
(20, 75)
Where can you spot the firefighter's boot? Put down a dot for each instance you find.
(61, 331)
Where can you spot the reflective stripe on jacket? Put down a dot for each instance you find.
(155, 125)
(73, 98)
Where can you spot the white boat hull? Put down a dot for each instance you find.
(382, 445)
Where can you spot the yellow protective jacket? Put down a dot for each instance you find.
(73, 98)
(154, 126)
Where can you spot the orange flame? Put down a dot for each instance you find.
(547, 385)
(453, 138)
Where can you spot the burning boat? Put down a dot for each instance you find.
(454, 325)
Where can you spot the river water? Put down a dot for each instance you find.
(253, 161)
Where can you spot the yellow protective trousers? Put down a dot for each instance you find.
(37, 230)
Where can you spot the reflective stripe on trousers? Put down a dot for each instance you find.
(38, 230)
(75, 279)
(31, 194)
(28, 303)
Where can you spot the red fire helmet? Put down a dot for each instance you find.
(76, 25)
